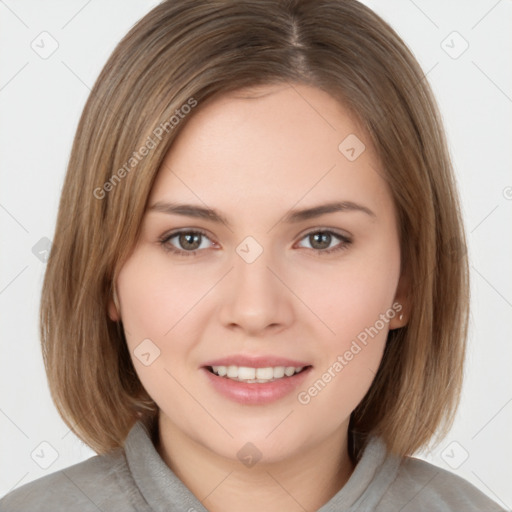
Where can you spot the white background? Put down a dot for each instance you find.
(41, 100)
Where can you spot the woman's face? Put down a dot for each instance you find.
(276, 283)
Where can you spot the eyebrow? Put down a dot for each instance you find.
(293, 216)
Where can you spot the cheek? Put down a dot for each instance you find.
(352, 355)
(354, 295)
(156, 297)
(355, 303)
(158, 301)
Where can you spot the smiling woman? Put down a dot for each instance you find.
(269, 304)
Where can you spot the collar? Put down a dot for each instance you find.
(163, 490)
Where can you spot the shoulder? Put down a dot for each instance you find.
(102, 482)
(421, 486)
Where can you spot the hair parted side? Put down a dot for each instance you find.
(193, 51)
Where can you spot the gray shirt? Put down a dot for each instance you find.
(135, 478)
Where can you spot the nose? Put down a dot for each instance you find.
(254, 298)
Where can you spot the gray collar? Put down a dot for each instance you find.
(164, 491)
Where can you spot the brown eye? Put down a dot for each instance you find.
(187, 243)
(320, 241)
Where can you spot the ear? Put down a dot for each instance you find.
(401, 304)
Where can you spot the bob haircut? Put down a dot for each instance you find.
(183, 53)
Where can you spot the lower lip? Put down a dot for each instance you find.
(256, 393)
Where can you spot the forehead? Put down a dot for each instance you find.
(271, 145)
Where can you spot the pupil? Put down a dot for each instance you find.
(323, 238)
(186, 240)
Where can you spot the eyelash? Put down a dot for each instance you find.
(164, 242)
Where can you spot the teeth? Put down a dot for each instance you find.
(244, 373)
(279, 371)
(262, 374)
(232, 372)
(252, 375)
(221, 370)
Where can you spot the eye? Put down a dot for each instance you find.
(189, 242)
(320, 241)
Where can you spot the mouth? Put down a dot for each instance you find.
(251, 385)
(252, 375)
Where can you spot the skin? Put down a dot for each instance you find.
(253, 160)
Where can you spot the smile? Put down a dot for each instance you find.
(255, 386)
(255, 375)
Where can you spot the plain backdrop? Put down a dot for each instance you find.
(465, 50)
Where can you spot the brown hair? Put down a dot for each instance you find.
(194, 50)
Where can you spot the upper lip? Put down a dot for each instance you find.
(255, 361)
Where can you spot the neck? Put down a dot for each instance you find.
(304, 481)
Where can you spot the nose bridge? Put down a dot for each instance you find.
(254, 282)
(254, 275)
(256, 298)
